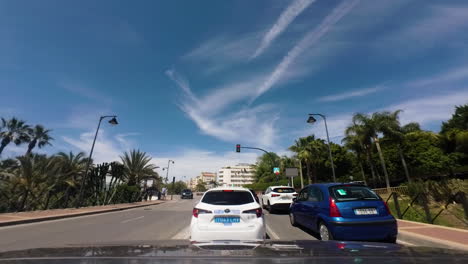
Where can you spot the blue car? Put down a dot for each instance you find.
(340, 211)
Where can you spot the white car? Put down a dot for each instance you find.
(227, 213)
(278, 198)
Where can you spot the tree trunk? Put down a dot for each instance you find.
(309, 172)
(300, 173)
(362, 171)
(371, 165)
(31, 146)
(403, 162)
(23, 201)
(46, 204)
(382, 160)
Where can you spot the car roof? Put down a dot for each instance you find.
(279, 187)
(330, 184)
(229, 188)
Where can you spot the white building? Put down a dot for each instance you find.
(236, 176)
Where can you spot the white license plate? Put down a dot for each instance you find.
(365, 211)
(286, 197)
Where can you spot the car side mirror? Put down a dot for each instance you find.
(263, 193)
(294, 200)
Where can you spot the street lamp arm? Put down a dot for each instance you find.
(322, 116)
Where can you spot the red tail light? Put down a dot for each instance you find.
(257, 211)
(275, 195)
(196, 212)
(387, 208)
(228, 190)
(294, 194)
(334, 211)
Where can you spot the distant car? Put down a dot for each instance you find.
(278, 198)
(186, 194)
(344, 212)
(227, 213)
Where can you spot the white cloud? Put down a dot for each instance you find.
(191, 162)
(350, 94)
(439, 107)
(286, 17)
(453, 75)
(309, 39)
(106, 149)
(247, 124)
(81, 89)
(221, 52)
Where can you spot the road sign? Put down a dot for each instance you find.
(292, 172)
(276, 170)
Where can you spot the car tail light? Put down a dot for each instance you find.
(228, 190)
(275, 195)
(387, 208)
(257, 211)
(334, 211)
(197, 211)
(294, 194)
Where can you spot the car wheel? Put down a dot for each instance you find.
(324, 232)
(292, 219)
(269, 208)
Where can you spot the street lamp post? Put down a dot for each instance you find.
(167, 169)
(312, 120)
(113, 121)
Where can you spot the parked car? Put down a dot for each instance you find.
(278, 198)
(344, 212)
(227, 213)
(186, 194)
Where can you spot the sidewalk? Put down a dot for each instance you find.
(422, 234)
(38, 216)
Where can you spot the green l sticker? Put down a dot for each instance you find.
(341, 192)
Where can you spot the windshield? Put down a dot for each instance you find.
(284, 190)
(227, 198)
(352, 193)
(330, 120)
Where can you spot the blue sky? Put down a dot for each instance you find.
(190, 79)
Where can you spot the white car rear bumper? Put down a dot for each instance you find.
(207, 233)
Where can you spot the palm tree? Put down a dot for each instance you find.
(353, 143)
(310, 150)
(72, 168)
(137, 167)
(357, 132)
(38, 136)
(15, 131)
(370, 126)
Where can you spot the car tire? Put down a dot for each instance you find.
(292, 219)
(270, 208)
(324, 232)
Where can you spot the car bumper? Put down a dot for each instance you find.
(281, 206)
(186, 196)
(256, 232)
(364, 230)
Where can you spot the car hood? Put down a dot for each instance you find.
(233, 251)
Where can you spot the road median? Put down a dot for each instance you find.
(9, 219)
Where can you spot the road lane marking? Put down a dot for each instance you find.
(132, 219)
(271, 233)
(183, 234)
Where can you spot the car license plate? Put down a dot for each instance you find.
(365, 211)
(286, 197)
(227, 220)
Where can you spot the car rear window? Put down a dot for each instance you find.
(352, 193)
(228, 198)
(284, 190)
(186, 190)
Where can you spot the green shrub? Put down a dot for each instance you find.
(126, 194)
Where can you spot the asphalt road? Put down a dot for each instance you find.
(165, 221)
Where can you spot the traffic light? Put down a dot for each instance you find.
(238, 148)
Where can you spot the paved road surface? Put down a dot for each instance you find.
(165, 221)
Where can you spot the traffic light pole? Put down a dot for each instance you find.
(269, 153)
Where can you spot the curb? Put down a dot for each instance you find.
(55, 217)
(424, 241)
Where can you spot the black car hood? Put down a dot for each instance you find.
(175, 251)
